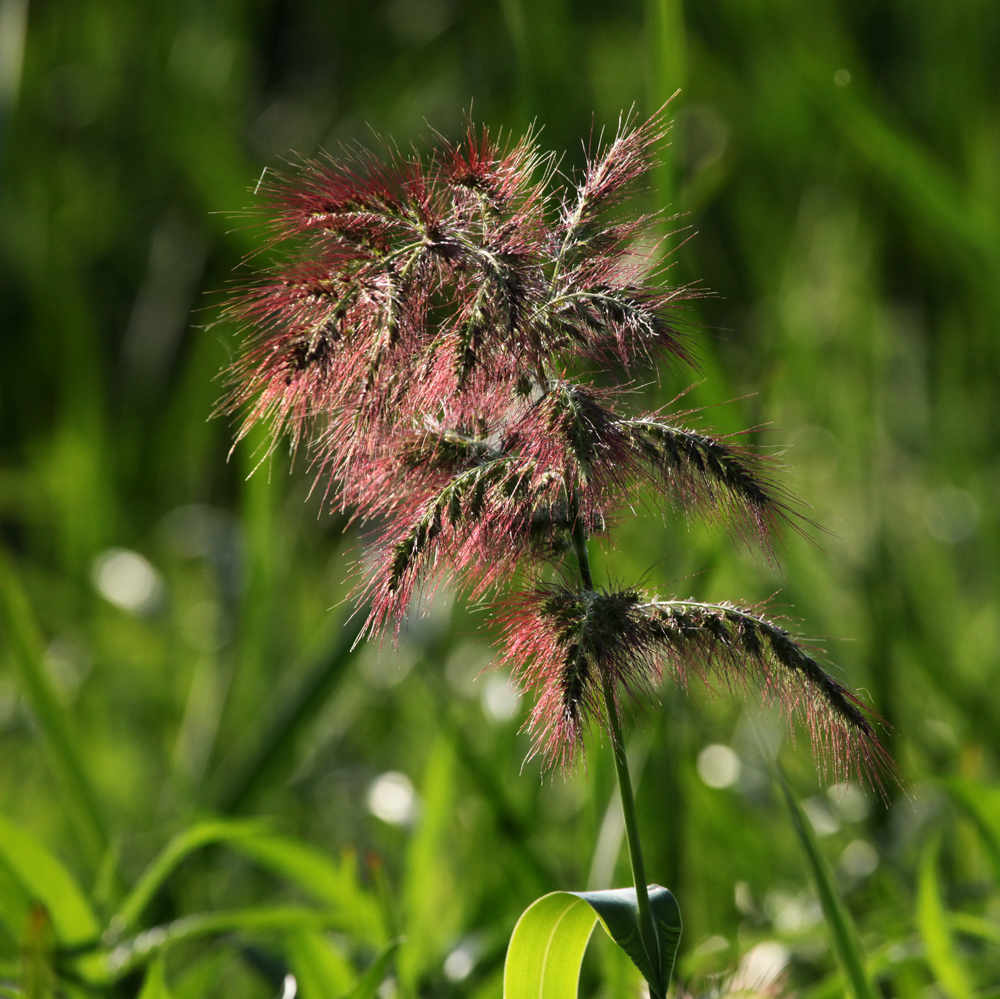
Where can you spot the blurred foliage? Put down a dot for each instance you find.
(175, 647)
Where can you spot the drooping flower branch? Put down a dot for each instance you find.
(417, 339)
(561, 642)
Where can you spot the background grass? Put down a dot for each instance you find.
(837, 165)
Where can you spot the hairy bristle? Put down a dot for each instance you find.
(560, 643)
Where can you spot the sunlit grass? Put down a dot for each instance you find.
(848, 226)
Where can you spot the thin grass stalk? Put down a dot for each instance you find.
(646, 926)
(17, 619)
(514, 16)
(845, 935)
(666, 73)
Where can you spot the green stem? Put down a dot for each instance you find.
(580, 547)
(646, 927)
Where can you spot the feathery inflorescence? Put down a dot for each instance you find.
(417, 338)
(560, 643)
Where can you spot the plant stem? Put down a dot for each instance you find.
(646, 926)
(580, 547)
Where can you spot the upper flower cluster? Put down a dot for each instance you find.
(426, 337)
(420, 338)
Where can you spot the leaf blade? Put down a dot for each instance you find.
(845, 939)
(163, 865)
(330, 884)
(932, 921)
(548, 943)
(46, 880)
(367, 985)
(618, 912)
(155, 984)
(25, 643)
(319, 967)
(101, 967)
(547, 946)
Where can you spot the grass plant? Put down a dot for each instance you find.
(836, 174)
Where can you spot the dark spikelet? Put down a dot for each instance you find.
(608, 175)
(574, 431)
(440, 448)
(714, 477)
(560, 644)
(480, 525)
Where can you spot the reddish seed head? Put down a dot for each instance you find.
(416, 340)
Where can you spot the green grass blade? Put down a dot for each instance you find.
(15, 902)
(517, 26)
(975, 926)
(38, 976)
(25, 643)
(981, 803)
(333, 885)
(155, 984)
(367, 985)
(106, 966)
(183, 844)
(915, 177)
(431, 897)
(841, 925)
(319, 968)
(547, 946)
(45, 880)
(666, 73)
(932, 921)
(272, 736)
(489, 784)
(311, 870)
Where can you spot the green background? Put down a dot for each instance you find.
(836, 167)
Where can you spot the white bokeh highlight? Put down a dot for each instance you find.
(127, 580)
(760, 967)
(719, 766)
(859, 859)
(458, 965)
(500, 698)
(392, 799)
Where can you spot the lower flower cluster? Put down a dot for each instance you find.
(565, 645)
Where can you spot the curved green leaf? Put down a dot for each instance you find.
(44, 879)
(105, 966)
(546, 948)
(619, 914)
(548, 943)
(173, 853)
